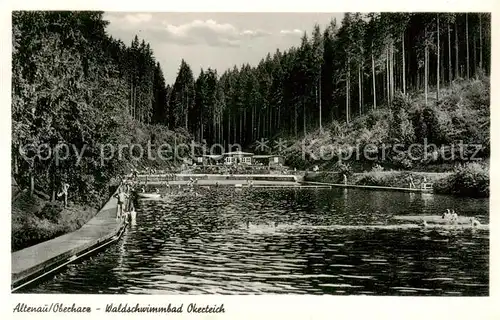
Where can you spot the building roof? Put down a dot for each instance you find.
(213, 156)
(264, 156)
(238, 153)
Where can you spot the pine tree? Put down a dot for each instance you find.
(159, 96)
(182, 96)
(438, 58)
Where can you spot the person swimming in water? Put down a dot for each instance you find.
(424, 223)
(446, 215)
(132, 213)
(135, 173)
(474, 222)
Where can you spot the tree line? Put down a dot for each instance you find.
(74, 84)
(74, 89)
(335, 74)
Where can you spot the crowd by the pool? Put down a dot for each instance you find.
(227, 168)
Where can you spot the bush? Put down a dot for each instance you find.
(377, 168)
(370, 180)
(336, 129)
(327, 177)
(31, 225)
(470, 180)
(431, 123)
(51, 211)
(376, 116)
(461, 114)
(343, 168)
(295, 160)
(380, 178)
(477, 93)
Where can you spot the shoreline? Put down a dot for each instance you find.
(446, 183)
(35, 262)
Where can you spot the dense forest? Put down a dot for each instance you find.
(335, 75)
(73, 83)
(75, 89)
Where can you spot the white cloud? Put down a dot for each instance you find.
(129, 20)
(138, 18)
(294, 32)
(209, 32)
(255, 33)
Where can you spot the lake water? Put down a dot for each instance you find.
(265, 241)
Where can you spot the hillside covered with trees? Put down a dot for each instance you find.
(75, 84)
(372, 79)
(334, 76)
(76, 91)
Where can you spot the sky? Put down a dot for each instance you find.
(215, 40)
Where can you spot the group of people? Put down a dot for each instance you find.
(175, 191)
(451, 217)
(126, 196)
(424, 184)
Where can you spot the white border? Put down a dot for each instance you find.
(269, 306)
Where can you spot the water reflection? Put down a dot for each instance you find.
(285, 241)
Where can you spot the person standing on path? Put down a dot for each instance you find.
(64, 191)
(412, 184)
(122, 197)
(424, 183)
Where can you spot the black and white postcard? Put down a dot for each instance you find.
(234, 155)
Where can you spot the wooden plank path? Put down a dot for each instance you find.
(353, 186)
(204, 176)
(285, 186)
(34, 261)
(276, 180)
(224, 182)
(434, 219)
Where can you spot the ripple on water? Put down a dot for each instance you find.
(282, 241)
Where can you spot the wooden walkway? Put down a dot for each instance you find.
(353, 186)
(223, 183)
(285, 186)
(203, 176)
(35, 261)
(275, 181)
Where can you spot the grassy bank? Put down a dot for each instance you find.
(409, 134)
(445, 141)
(469, 180)
(390, 178)
(36, 220)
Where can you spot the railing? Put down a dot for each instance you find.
(427, 185)
(201, 176)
